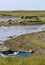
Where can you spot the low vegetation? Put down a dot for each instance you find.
(21, 13)
(32, 60)
(34, 41)
(20, 21)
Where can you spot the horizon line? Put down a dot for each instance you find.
(22, 10)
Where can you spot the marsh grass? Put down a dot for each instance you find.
(34, 41)
(23, 21)
(32, 60)
(21, 13)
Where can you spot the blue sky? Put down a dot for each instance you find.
(22, 4)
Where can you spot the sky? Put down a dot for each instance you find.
(22, 4)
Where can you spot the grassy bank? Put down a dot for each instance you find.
(34, 60)
(34, 41)
(20, 21)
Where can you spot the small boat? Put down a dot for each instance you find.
(8, 53)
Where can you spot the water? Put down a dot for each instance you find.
(5, 19)
(14, 31)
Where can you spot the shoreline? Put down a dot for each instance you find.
(16, 43)
(13, 23)
(25, 43)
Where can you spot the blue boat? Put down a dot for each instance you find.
(10, 53)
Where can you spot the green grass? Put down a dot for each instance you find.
(42, 19)
(21, 20)
(22, 13)
(32, 60)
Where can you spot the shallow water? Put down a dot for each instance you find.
(5, 19)
(6, 32)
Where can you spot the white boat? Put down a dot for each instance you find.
(9, 55)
